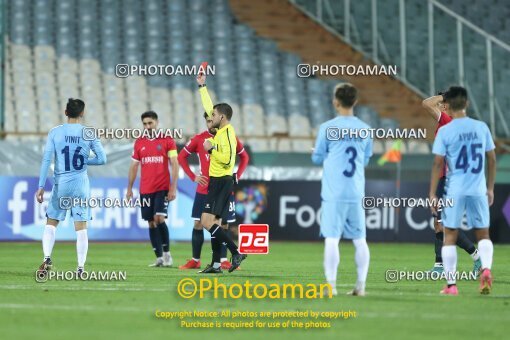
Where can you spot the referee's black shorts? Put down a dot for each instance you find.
(218, 195)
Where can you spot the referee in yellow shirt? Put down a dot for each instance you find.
(222, 148)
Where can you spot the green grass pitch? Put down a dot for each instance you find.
(125, 310)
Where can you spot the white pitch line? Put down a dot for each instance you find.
(43, 286)
(426, 294)
(73, 308)
(119, 287)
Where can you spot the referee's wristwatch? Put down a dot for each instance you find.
(199, 86)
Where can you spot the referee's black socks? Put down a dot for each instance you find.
(216, 248)
(223, 252)
(222, 237)
(165, 236)
(155, 237)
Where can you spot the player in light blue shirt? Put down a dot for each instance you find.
(466, 144)
(69, 146)
(343, 152)
(343, 159)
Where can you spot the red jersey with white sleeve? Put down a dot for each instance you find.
(153, 155)
(196, 145)
(443, 120)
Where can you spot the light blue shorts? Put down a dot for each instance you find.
(342, 220)
(62, 196)
(476, 208)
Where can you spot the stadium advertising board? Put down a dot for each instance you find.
(23, 218)
(291, 208)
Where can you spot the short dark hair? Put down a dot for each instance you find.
(456, 97)
(224, 109)
(346, 94)
(150, 114)
(74, 107)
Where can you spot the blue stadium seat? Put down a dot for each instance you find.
(252, 73)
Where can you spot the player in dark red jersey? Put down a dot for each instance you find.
(155, 185)
(434, 106)
(195, 146)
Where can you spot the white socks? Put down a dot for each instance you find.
(449, 254)
(82, 246)
(362, 259)
(331, 259)
(486, 250)
(48, 240)
(82, 243)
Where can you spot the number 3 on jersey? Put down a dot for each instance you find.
(353, 153)
(462, 161)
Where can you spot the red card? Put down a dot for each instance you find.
(203, 66)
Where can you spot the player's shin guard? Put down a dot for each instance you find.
(82, 246)
(155, 237)
(465, 243)
(450, 263)
(222, 237)
(331, 259)
(197, 240)
(486, 250)
(165, 236)
(362, 259)
(48, 240)
(438, 245)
